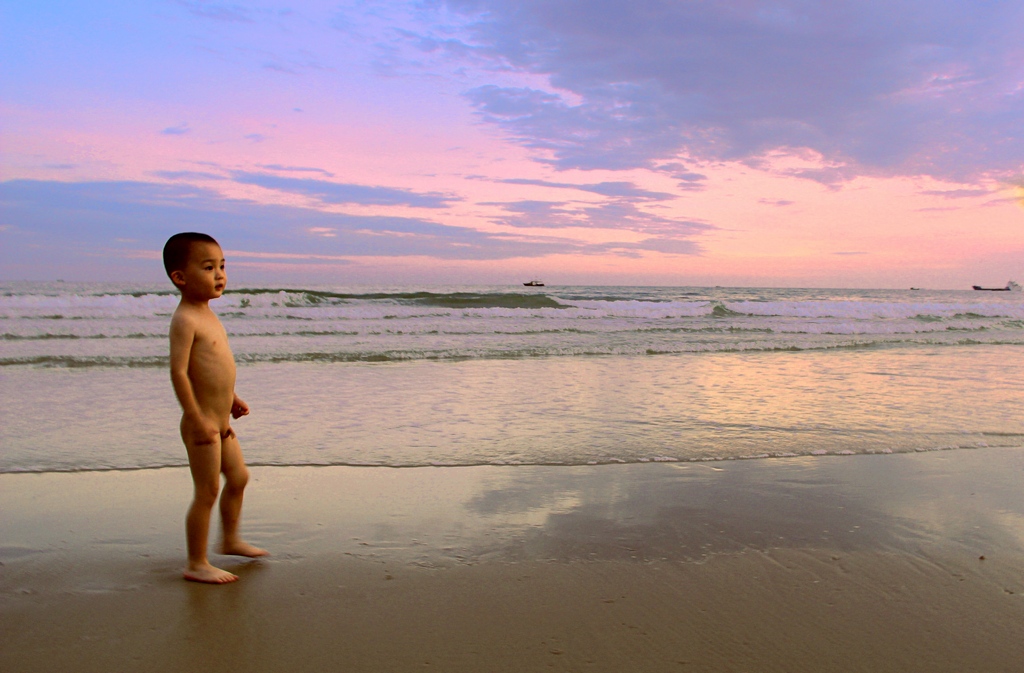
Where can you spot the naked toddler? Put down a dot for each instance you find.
(203, 375)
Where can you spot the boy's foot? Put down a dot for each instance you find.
(242, 548)
(210, 575)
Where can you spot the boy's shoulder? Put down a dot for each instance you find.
(188, 315)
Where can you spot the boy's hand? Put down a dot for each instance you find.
(239, 408)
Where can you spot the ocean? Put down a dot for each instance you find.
(418, 376)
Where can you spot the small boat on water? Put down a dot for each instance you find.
(1011, 286)
(534, 283)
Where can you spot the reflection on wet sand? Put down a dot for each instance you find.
(645, 512)
(674, 512)
(773, 565)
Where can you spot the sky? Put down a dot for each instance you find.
(795, 143)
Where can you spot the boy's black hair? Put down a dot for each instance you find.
(178, 247)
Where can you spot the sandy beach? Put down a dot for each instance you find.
(864, 563)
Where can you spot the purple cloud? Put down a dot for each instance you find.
(896, 87)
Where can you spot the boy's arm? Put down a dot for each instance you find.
(183, 334)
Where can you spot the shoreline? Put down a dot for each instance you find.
(792, 564)
(511, 464)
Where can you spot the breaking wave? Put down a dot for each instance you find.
(110, 326)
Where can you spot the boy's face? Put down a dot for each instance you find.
(204, 276)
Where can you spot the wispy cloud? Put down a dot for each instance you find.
(689, 180)
(286, 256)
(625, 215)
(187, 175)
(957, 193)
(278, 67)
(296, 169)
(218, 11)
(614, 215)
(663, 244)
(615, 189)
(341, 193)
(537, 215)
(177, 130)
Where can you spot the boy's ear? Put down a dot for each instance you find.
(178, 278)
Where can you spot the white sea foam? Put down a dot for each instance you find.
(869, 310)
(45, 324)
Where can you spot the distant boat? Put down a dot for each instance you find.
(1010, 287)
(534, 283)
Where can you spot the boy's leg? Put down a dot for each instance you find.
(204, 463)
(236, 476)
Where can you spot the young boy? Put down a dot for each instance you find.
(203, 375)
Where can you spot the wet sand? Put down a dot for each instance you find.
(863, 563)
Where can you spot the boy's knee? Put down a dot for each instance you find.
(207, 495)
(237, 479)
